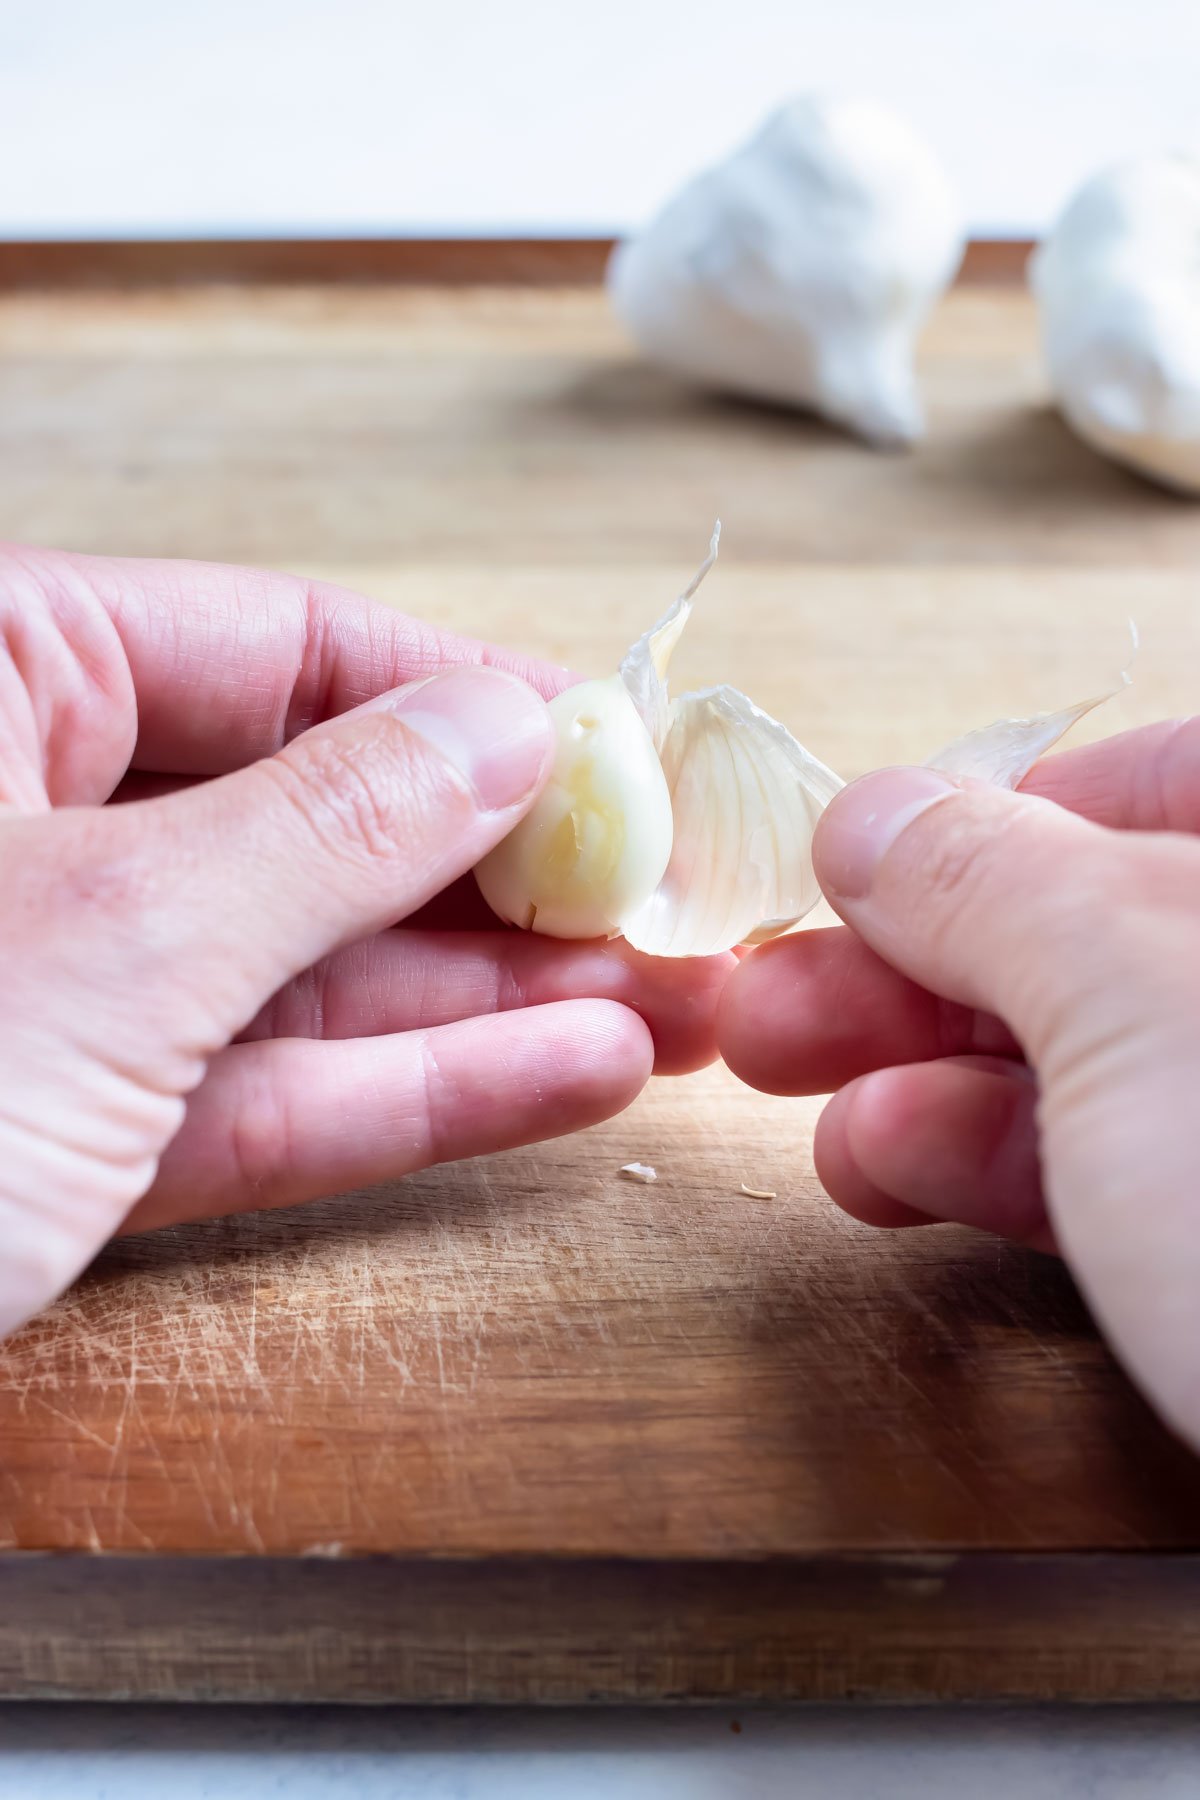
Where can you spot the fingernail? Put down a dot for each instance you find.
(861, 825)
(492, 727)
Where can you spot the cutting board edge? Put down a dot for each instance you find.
(1109, 1625)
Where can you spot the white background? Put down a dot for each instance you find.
(58, 1752)
(129, 117)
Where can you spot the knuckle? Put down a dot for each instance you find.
(1114, 943)
(1167, 784)
(339, 800)
(441, 1096)
(261, 1133)
(364, 794)
(83, 868)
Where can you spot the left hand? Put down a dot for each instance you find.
(206, 1007)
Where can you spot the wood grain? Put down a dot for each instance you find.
(518, 1429)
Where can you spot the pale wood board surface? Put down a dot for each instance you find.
(526, 1355)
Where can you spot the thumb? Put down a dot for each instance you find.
(344, 831)
(986, 897)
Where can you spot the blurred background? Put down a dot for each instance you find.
(319, 287)
(297, 117)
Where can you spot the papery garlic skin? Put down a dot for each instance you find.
(684, 826)
(1004, 752)
(597, 840)
(746, 798)
(800, 270)
(1118, 291)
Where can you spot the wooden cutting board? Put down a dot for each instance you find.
(518, 1429)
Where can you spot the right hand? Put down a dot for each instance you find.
(1012, 1024)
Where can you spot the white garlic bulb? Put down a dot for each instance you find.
(800, 270)
(1118, 290)
(684, 826)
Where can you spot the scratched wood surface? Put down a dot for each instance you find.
(606, 1404)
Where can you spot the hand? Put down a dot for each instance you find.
(295, 776)
(1013, 1024)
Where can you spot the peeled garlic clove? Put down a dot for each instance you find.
(800, 270)
(598, 839)
(1004, 753)
(1118, 291)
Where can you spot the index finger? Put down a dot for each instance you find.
(1142, 780)
(229, 664)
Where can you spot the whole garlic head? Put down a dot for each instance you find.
(1118, 290)
(800, 270)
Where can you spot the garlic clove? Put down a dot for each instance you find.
(1118, 290)
(598, 838)
(800, 270)
(684, 826)
(745, 798)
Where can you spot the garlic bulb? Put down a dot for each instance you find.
(1118, 289)
(684, 826)
(800, 270)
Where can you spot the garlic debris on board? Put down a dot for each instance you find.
(684, 826)
(800, 269)
(1118, 290)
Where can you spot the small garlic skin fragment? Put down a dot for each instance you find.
(598, 838)
(800, 270)
(643, 1172)
(1118, 291)
(746, 798)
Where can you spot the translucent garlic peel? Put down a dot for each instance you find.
(644, 669)
(1003, 753)
(746, 798)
